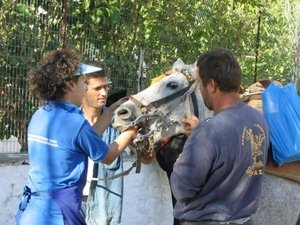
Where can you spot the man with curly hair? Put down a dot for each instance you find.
(60, 141)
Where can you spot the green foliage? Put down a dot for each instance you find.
(231, 24)
(114, 31)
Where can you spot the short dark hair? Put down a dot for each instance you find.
(221, 66)
(49, 81)
(105, 72)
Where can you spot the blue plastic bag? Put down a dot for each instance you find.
(281, 109)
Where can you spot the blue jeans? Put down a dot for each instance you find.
(104, 204)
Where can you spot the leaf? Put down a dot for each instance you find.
(86, 4)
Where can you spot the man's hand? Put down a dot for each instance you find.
(132, 131)
(190, 123)
(107, 115)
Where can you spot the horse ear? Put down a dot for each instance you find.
(191, 69)
(178, 64)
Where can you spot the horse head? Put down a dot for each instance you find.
(159, 109)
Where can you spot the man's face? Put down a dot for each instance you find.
(97, 92)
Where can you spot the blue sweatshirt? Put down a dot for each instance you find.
(218, 176)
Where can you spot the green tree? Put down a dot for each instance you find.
(114, 31)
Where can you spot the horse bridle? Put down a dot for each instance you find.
(180, 95)
(159, 109)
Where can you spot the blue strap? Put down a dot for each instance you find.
(23, 204)
(25, 198)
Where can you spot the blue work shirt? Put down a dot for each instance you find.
(59, 142)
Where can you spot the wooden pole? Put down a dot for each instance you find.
(257, 45)
(64, 26)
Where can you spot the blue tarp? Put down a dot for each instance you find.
(281, 108)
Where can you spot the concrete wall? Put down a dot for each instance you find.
(12, 180)
(140, 207)
(147, 199)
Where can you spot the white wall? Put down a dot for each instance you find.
(147, 199)
(12, 180)
(10, 145)
(140, 207)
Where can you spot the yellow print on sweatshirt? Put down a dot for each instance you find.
(256, 141)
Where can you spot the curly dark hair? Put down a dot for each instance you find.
(49, 81)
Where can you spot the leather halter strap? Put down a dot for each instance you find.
(180, 96)
(162, 101)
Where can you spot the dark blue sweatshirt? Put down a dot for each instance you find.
(218, 176)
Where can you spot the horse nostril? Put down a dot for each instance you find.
(123, 113)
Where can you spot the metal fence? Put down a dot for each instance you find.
(110, 31)
(29, 29)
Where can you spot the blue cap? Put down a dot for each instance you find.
(86, 69)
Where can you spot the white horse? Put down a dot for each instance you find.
(147, 193)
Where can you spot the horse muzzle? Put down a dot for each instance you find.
(124, 117)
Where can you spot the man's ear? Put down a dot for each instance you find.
(212, 86)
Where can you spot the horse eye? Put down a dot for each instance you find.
(172, 85)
